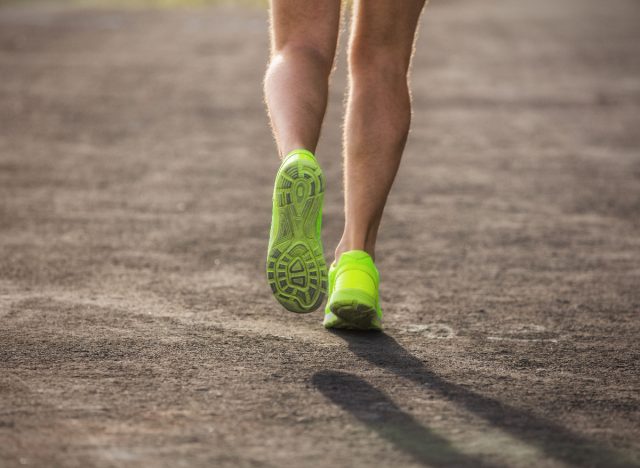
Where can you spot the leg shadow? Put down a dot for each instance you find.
(550, 437)
(376, 411)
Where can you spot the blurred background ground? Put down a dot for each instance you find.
(137, 4)
(136, 170)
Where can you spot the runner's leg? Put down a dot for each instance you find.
(303, 43)
(378, 113)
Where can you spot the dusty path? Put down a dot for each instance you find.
(136, 328)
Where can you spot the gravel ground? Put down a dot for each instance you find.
(137, 328)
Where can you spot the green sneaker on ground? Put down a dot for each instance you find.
(353, 293)
(296, 270)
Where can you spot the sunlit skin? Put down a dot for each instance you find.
(304, 34)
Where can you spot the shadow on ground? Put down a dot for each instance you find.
(377, 411)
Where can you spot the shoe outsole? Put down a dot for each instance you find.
(356, 310)
(355, 316)
(296, 269)
(353, 327)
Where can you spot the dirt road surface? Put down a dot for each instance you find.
(136, 325)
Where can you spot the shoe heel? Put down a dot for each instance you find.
(354, 306)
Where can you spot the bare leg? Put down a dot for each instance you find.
(303, 43)
(378, 113)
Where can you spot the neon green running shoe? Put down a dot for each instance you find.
(296, 269)
(353, 293)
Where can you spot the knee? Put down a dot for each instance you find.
(308, 52)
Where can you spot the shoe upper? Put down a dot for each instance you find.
(354, 270)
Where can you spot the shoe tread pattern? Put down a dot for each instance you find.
(296, 268)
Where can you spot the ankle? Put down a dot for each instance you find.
(347, 247)
(299, 149)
